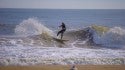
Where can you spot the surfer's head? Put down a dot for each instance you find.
(62, 23)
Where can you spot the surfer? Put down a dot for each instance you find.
(62, 30)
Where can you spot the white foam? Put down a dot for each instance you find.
(26, 55)
(117, 30)
(32, 26)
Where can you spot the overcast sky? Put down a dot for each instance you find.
(64, 4)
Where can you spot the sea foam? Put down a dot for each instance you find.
(32, 26)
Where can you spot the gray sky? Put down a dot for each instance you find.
(64, 4)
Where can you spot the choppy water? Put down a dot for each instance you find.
(26, 37)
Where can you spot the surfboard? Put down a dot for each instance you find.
(60, 40)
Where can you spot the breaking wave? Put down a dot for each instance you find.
(114, 37)
(31, 27)
(118, 30)
(35, 44)
(34, 33)
(37, 34)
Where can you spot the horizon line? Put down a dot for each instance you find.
(61, 8)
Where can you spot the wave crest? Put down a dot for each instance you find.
(117, 30)
(32, 26)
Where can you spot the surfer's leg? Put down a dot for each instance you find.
(59, 32)
(62, 33)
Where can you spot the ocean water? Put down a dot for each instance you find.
(53, 17)
(27, 36)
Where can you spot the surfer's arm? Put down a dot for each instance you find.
(60, 26)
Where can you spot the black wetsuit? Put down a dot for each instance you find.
(62, 31)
